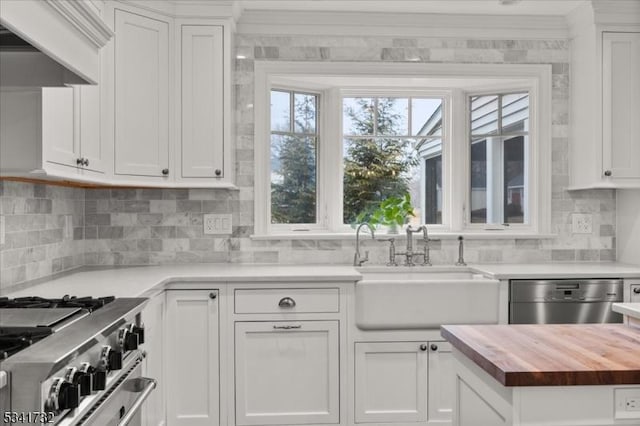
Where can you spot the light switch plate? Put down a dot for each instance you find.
(582, 223)
(218, 224)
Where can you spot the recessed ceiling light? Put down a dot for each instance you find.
(241, 57)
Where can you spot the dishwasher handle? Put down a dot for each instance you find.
(149, 386)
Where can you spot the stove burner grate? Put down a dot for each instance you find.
(14, 339)
(66, 301)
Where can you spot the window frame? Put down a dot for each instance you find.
(530, 171)
(293, 227)
(314, 77)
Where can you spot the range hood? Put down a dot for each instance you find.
(22, 65)
(50, 43)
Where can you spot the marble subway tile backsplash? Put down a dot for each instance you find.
(157, 226)
(44, 231)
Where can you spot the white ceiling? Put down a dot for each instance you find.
(482, 7)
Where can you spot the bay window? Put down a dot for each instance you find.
(329, 146)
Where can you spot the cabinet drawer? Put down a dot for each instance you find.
(285, 301)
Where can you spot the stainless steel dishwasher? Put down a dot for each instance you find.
(570, 301)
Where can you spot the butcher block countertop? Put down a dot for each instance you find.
(551, 355)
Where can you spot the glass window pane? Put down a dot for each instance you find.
(484, 115)
(293, 179)
(515, 113)
(280, 111)
(514, 180)
(375, 169)
(431, 185)
(426, 117)
(304, 113)
(393, 116)
(357, 116)
(479, 181)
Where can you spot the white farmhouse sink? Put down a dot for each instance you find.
(402, 298)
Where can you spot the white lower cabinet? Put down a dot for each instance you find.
(192, 364)
(440, 392)
(154, 412)
(403, 382)
(287, 372)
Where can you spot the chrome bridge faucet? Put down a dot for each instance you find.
(409, 254)
(358, 260)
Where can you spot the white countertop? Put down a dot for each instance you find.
(630, 309)
(148, 280)
(558, 270)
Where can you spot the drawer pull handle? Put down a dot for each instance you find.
(286, 327)
(287, 302)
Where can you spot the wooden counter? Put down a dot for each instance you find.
(551, 355)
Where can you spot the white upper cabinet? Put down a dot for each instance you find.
(60, 143)
(202, 119)
(621, 106)
(92, 145)
(141, 95)
(605, 98)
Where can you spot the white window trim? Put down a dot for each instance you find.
(268, 74)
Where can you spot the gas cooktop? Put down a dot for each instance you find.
(27, 320)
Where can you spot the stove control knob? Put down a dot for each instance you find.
(79, 378)
(115, 360)
(127, 340)
(63, 395)
(84, 378)
(100, 380)
(110, 359)
(69, 396)
(139, 330)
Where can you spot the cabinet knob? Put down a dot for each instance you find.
(636, 290)
(607, 173)
(287, 302)
(85, 162)
(218, 172)
(165, 172)
(423, 347)
(212, 295)
(434, 347)
(79, 161)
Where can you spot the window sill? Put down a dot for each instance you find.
(469, 235)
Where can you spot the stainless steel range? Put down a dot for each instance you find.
(72, 361)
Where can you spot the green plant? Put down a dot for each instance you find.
(392, 211)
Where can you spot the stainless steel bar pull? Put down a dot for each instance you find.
(286, 327)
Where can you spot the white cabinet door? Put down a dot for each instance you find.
(391, 382)
(192, 365)
(60, 143)
(91, 143)
(621, 105)
(154, 412)
(141, 95)
(202, 144)
(287, 372)
(441, 383)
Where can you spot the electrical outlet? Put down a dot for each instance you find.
(582, 223)
(633, 403)
(627, 403)
(219, 224)
(1, 230)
